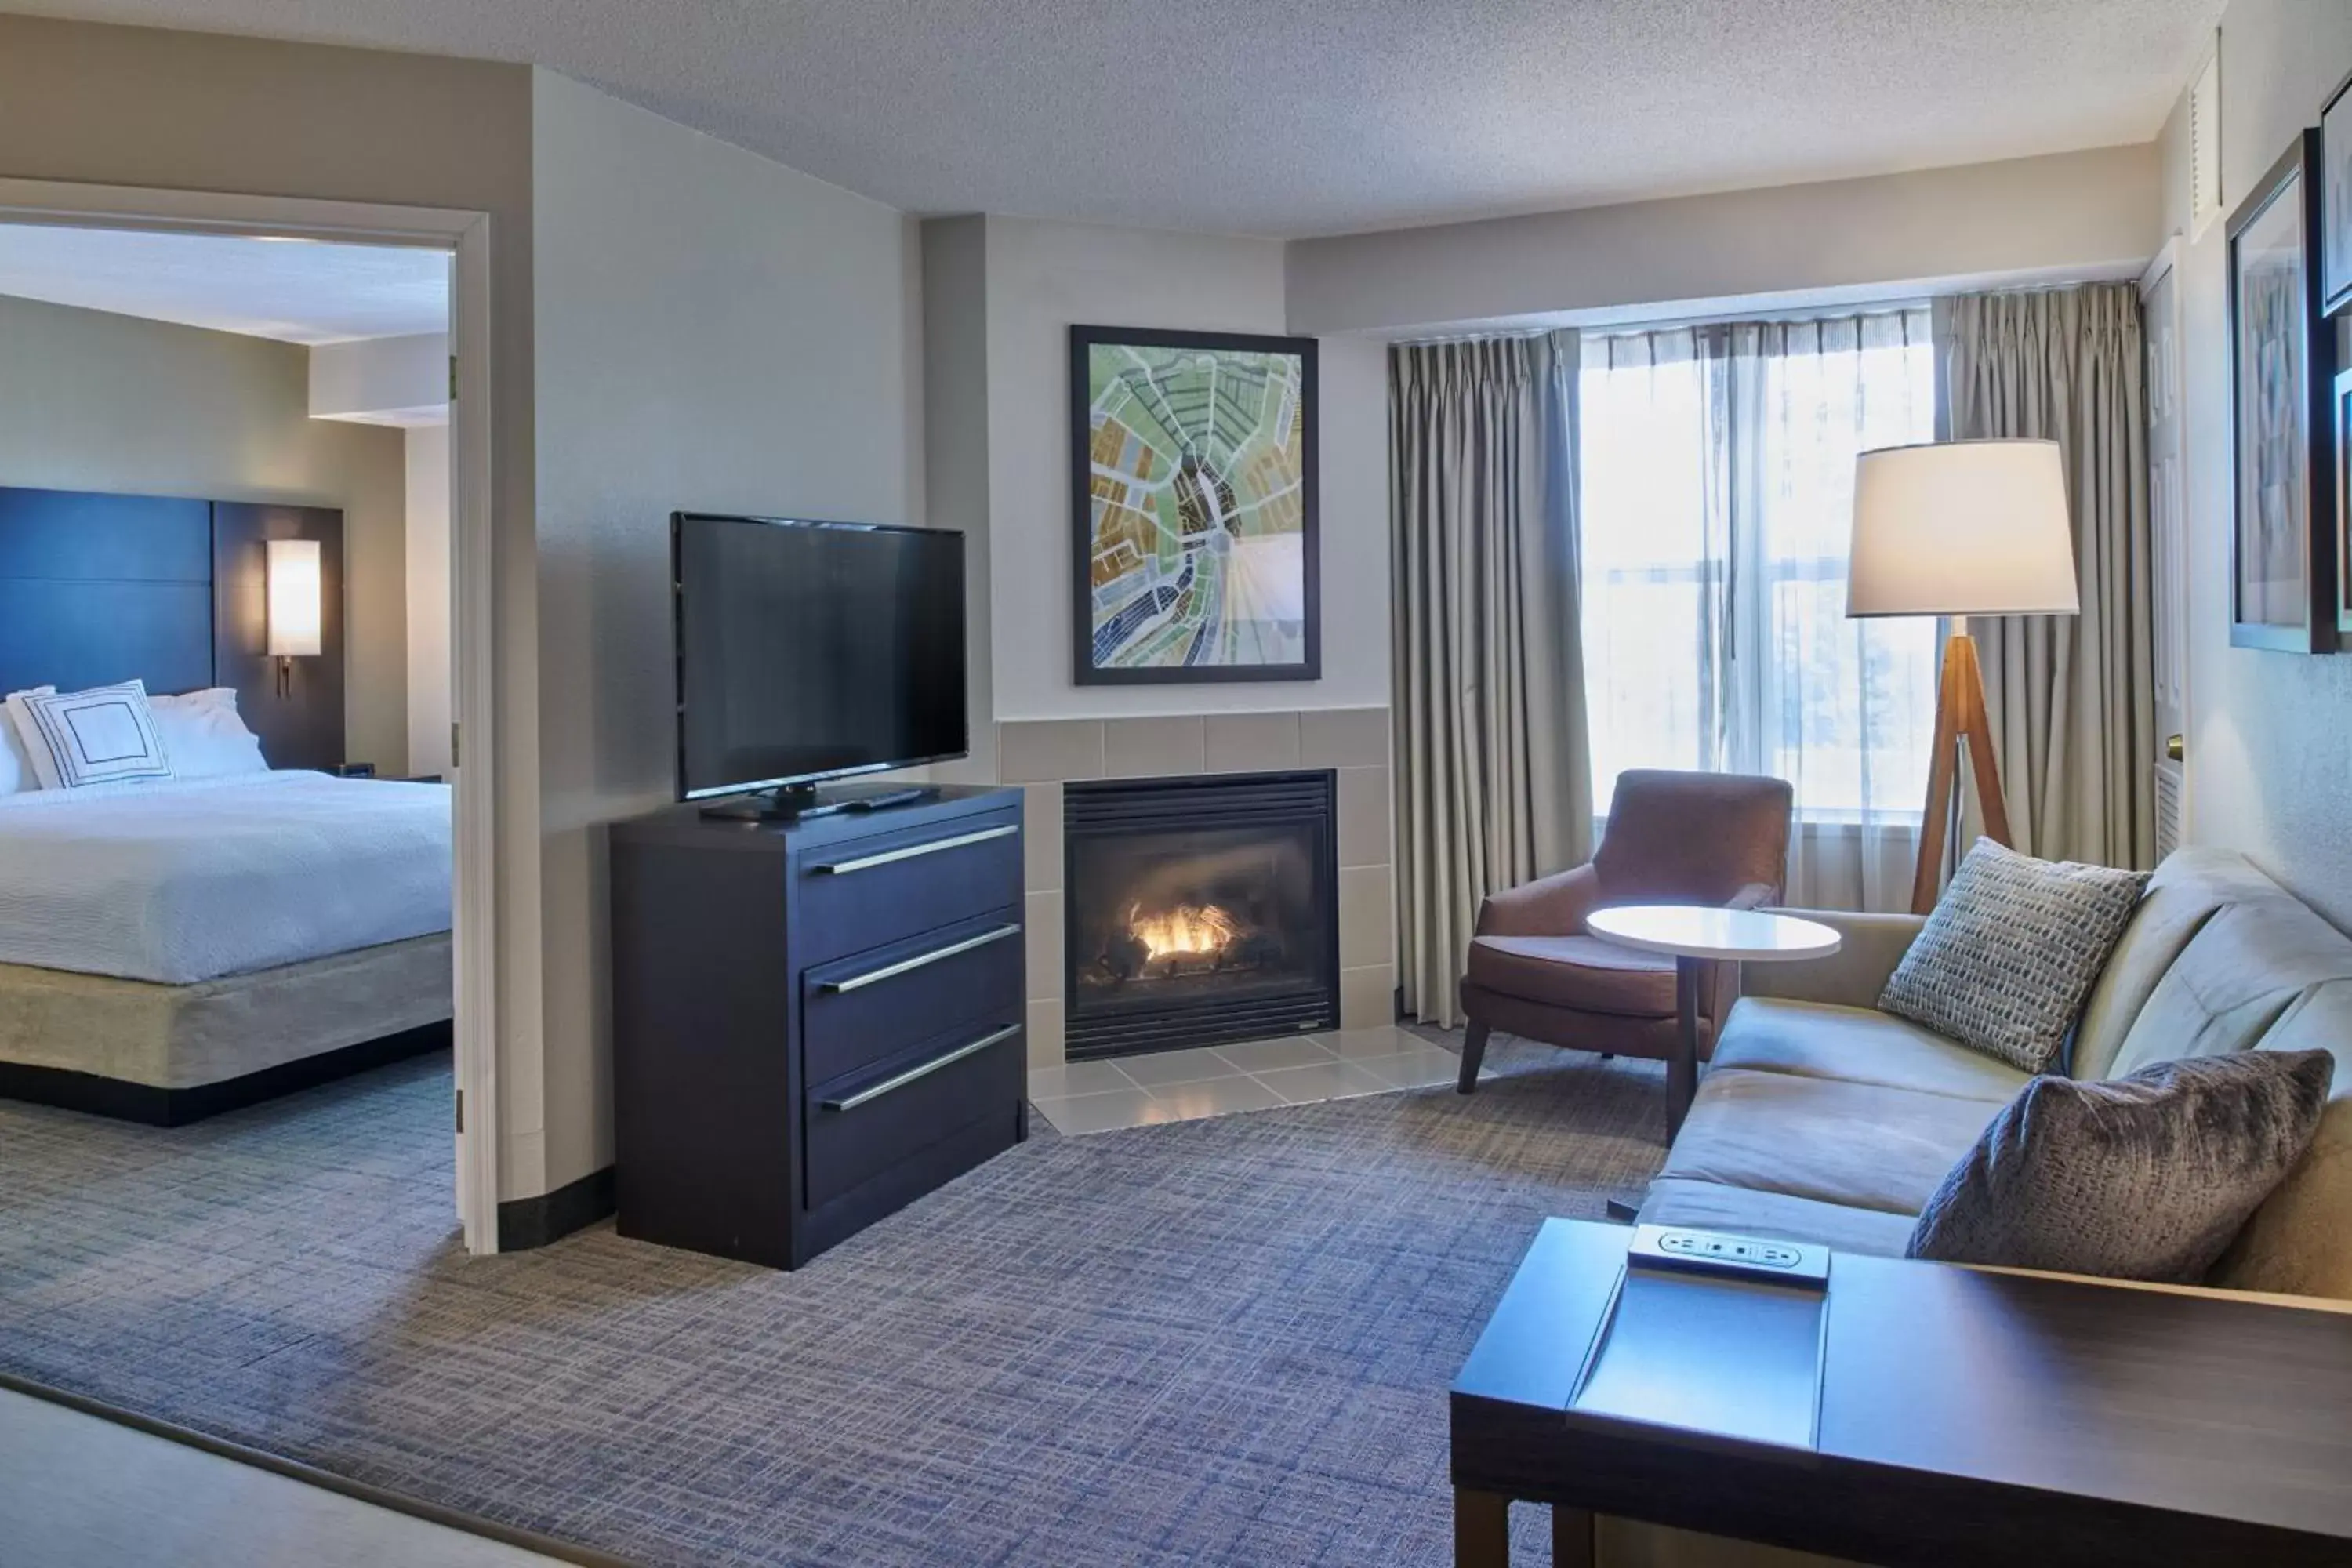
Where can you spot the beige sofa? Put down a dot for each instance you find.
(1826, 1120)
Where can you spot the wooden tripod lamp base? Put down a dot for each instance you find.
(1959, 720)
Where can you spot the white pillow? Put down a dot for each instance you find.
(103, 735)
(16, 774)
(203, 736)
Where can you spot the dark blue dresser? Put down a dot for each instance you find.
(814, 1022)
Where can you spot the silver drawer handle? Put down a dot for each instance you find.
(905, 965)
(892, 856)
(851, 1102)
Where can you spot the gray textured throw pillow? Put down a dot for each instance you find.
(2009, 956)
(2144, 1177)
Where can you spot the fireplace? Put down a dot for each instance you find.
(1199, 911)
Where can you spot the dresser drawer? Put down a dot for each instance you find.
(872, 1006)
(866, 1123)
(869, 891)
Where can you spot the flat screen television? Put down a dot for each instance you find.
(809, 651)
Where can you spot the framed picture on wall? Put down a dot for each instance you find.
(1192, 495)
(2284, 591)
(2342, 425)
(2336, 203)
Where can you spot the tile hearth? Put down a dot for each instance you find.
(1258, 1075)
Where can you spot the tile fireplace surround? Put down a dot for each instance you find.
(1041, 755)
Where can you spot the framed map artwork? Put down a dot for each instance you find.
(1192, 490)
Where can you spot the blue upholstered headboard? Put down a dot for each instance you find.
(100, 589)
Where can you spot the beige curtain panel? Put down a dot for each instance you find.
(1494, 783)
(2072, 699)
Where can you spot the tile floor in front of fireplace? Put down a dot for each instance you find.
(1259, 1075)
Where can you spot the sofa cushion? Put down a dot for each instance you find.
(1579, 972)
(1859, 1045)
(2012, 952)
(2144, 1177)
(2236, 977)
(1712, 1205)
(1861, 1145)
(2299, 1243)
(2184, 893)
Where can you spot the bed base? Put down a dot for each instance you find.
(156, 1107)
(167, 1055)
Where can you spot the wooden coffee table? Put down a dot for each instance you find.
(1963, 1417)
(1697, 935)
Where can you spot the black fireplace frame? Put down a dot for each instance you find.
(1293, 796)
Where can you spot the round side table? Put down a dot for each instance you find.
(1695, 935)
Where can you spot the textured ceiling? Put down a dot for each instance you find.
(296, 291)
(1302, 117)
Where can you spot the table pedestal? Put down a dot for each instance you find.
(1682, 1067)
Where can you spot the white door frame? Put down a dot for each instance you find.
(473, 556)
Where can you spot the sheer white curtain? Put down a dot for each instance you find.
(1718, 488)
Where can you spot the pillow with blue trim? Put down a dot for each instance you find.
(103, 735)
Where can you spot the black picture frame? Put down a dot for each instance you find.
(1084, 667)
(2336, 211)
(2340, 401)
(2316, 595)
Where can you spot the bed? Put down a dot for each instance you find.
(176, 947)
(170, 950)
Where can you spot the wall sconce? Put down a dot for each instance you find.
(295, 611)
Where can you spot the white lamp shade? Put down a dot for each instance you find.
(1962, 528)
(295, 612)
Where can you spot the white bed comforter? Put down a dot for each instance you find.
(184, 882)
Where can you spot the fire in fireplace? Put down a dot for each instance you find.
(1199, 909)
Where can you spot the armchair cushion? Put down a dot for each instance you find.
(1581, 972)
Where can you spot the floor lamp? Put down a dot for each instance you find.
(1959, 528)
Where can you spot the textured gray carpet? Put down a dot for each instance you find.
(1222, 1342)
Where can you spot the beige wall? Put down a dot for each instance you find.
(126, 106)
(2269, 735)
(956, 450)
(714, 331)
(1039, 280)
(93, 401)
(2068, 214)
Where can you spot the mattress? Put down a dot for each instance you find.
(190, 880)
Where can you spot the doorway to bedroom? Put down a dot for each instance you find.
(230, 611)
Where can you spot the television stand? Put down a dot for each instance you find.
(803, 802)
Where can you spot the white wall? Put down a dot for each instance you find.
(383, 381)
(2270, 734)
(713, 331)
(429, 669)
(1041, 277)
(2069, 215)
(94, 401)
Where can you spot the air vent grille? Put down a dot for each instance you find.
(2205, 145)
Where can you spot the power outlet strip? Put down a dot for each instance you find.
(1677, 1249)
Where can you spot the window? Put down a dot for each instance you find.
(1716, 472)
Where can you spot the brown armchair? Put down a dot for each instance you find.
(1673, 838)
